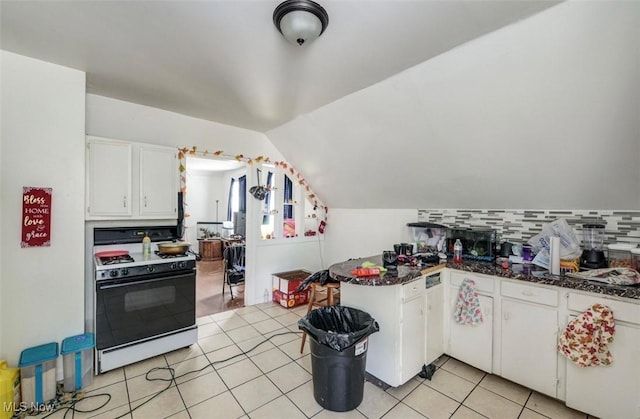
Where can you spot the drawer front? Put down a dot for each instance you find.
(530, 293)
(413, 289)
(622, 311)
(483, 283)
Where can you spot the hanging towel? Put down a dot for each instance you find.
(586, 337)
(468, 305)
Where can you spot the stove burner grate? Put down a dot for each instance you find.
(170, 256)
(116, 259)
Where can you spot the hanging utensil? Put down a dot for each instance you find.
(258, 192)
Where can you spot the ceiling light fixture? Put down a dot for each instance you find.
(300, 21)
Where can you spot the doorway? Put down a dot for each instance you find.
(211, 208)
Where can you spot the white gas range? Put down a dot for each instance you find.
(144, 303)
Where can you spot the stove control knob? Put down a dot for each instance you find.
(173, 265)
(150, 268)
(182, 264)
(124, 271)
(113, 273)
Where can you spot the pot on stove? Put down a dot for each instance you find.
(173, 248)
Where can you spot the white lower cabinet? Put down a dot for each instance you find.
(395, 353)
(610, 392)
(529, 318)
(528, 345)
(434, 324)
(529, 335)
(412, 331)
(472, 345)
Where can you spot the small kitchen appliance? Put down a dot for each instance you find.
(390, 260)
(428, 237)
(144, 304)
(592, 244)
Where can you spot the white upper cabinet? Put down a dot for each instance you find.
(109, 178)
(158, 182)
(131, 181)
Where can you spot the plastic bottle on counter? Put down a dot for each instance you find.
(457, 251)
(146, 245)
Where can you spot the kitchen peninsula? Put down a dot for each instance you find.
(396, 300)
(524, 311)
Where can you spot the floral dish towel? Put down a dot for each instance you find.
(586, 337)
(468, 310)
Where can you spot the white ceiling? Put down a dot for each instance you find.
(203, 164)
(224, 61)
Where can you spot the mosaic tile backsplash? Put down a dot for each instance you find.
(521, 225)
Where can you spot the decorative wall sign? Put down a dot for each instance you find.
(36, 217)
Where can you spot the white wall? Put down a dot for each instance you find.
(356, 233)
(283, 256)
(41, 289)
(203, 189)
(122, 120)
(542, 113)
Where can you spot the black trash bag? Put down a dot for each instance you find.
(338, 327)
(321, 277)
(315, 277)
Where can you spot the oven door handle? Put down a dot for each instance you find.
(125, 284)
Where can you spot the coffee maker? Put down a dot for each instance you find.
(390, 260)
(592, 243)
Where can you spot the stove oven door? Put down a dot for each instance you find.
(133, 309)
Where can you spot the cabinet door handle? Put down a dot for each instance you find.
(145, 202)
(124, 201)
(506, 316)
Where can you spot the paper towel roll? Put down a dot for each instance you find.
(554, 255)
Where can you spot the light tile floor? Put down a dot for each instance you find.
(274, 381)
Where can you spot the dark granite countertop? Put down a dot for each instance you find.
(535, 274)
(529, 273)
(342, 272)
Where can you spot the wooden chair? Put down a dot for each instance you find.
(321, 296)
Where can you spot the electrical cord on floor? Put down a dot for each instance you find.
(70, 401)
(174, 377)
(67, 401)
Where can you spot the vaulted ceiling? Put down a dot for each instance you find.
(224, 60)
(399, 104)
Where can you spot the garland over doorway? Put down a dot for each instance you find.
(193, 151)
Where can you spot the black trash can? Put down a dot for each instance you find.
(338, 339)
